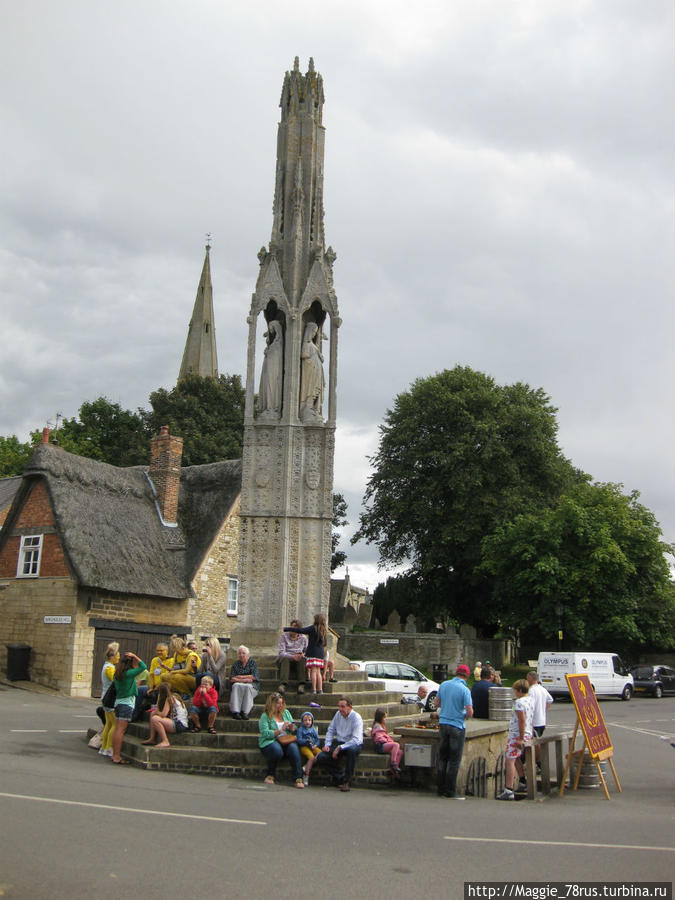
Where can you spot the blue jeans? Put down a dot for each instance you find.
(348, 757)
(274, 753)
(450, 750)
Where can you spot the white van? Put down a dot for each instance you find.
(607, 673)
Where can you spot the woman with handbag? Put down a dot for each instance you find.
(277, 738)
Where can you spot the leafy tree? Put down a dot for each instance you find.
(13, 456)
(596, 558)
(339, 519)
(208, 413)
(459, 455)
(104, 431)
(407, 595)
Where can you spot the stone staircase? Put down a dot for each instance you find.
(234, 751)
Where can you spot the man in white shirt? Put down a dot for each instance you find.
(344, 738)
(540, 700)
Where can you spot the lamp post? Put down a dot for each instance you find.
(559, 611)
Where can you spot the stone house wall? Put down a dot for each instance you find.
(208, 610)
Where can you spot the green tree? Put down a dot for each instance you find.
(339, 520)
(459, 455)
(13, 456)
(595, 561)
(208, 413)
(407, 595)
(103, 430)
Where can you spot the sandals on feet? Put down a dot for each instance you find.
(121, 762)
(211, 730)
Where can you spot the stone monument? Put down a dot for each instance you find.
(289, 434)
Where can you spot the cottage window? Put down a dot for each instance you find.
(29, 556)
(232, 596)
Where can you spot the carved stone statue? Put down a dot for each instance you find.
(311, 374)
(272, 369)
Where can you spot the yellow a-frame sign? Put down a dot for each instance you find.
(596, 736)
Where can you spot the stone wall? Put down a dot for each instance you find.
(208, 611)
(25, 602)
(424, 650)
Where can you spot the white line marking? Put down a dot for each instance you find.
(28, 730)
(662, 720)
(72, 730)
(91, 716)
(642, 721)
(637, 730)
(131, 809)
(486, 840)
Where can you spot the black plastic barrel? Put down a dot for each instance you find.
(439, 672)
(18, 659)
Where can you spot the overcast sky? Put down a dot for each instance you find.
(499, 189)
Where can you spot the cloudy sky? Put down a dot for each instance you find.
(499, 190)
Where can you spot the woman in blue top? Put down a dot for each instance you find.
(125, 683)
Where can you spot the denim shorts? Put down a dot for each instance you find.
(123, 712)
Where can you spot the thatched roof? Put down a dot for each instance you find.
(109, 524)
(206, 496)
(8, 488)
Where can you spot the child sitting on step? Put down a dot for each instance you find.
(205, 700)
(308, 742)
(384, 743)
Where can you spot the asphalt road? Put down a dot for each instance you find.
(73, 825)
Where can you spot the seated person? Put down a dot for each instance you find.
(292, 646)
(308, 742)
(244, 684)
(214, 663)
(385, 743)
(205, 700)
(184, 668)
(169, 717)
(277, 730)
(344, 740)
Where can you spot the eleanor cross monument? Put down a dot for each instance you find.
(289, 434)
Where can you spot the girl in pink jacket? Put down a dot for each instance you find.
(384, 743)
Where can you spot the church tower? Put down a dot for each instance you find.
(199, 357)
(289, 434)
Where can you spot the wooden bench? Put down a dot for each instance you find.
(544, 744)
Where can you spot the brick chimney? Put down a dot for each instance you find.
(45, 435)
(166, 453)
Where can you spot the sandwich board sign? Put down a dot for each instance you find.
(596, 737)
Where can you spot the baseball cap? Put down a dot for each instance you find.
(462, 670)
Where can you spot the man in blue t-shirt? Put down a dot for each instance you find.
(455, 707)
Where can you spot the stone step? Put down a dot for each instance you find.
(230, 733)
(372, 768)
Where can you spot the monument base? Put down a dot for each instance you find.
(260, 641)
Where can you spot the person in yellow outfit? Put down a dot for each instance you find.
(112, 657)
(160, 664)
(184, 668)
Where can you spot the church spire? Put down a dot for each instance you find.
(200, 357)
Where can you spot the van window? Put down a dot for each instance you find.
(619, 667)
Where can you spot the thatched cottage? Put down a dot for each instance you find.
(91, 553)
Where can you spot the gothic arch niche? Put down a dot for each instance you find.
(312, 371)
(271, 328)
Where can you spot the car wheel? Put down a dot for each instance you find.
(627, 692)
(658, 691)
(430, 702)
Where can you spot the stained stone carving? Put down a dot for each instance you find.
(271, 376)
(312, 378)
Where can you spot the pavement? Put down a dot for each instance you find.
(74, 825)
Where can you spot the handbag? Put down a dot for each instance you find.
(286, 739)
(108, 700)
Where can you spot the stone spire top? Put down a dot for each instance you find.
(298, 229)
(200, 357)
